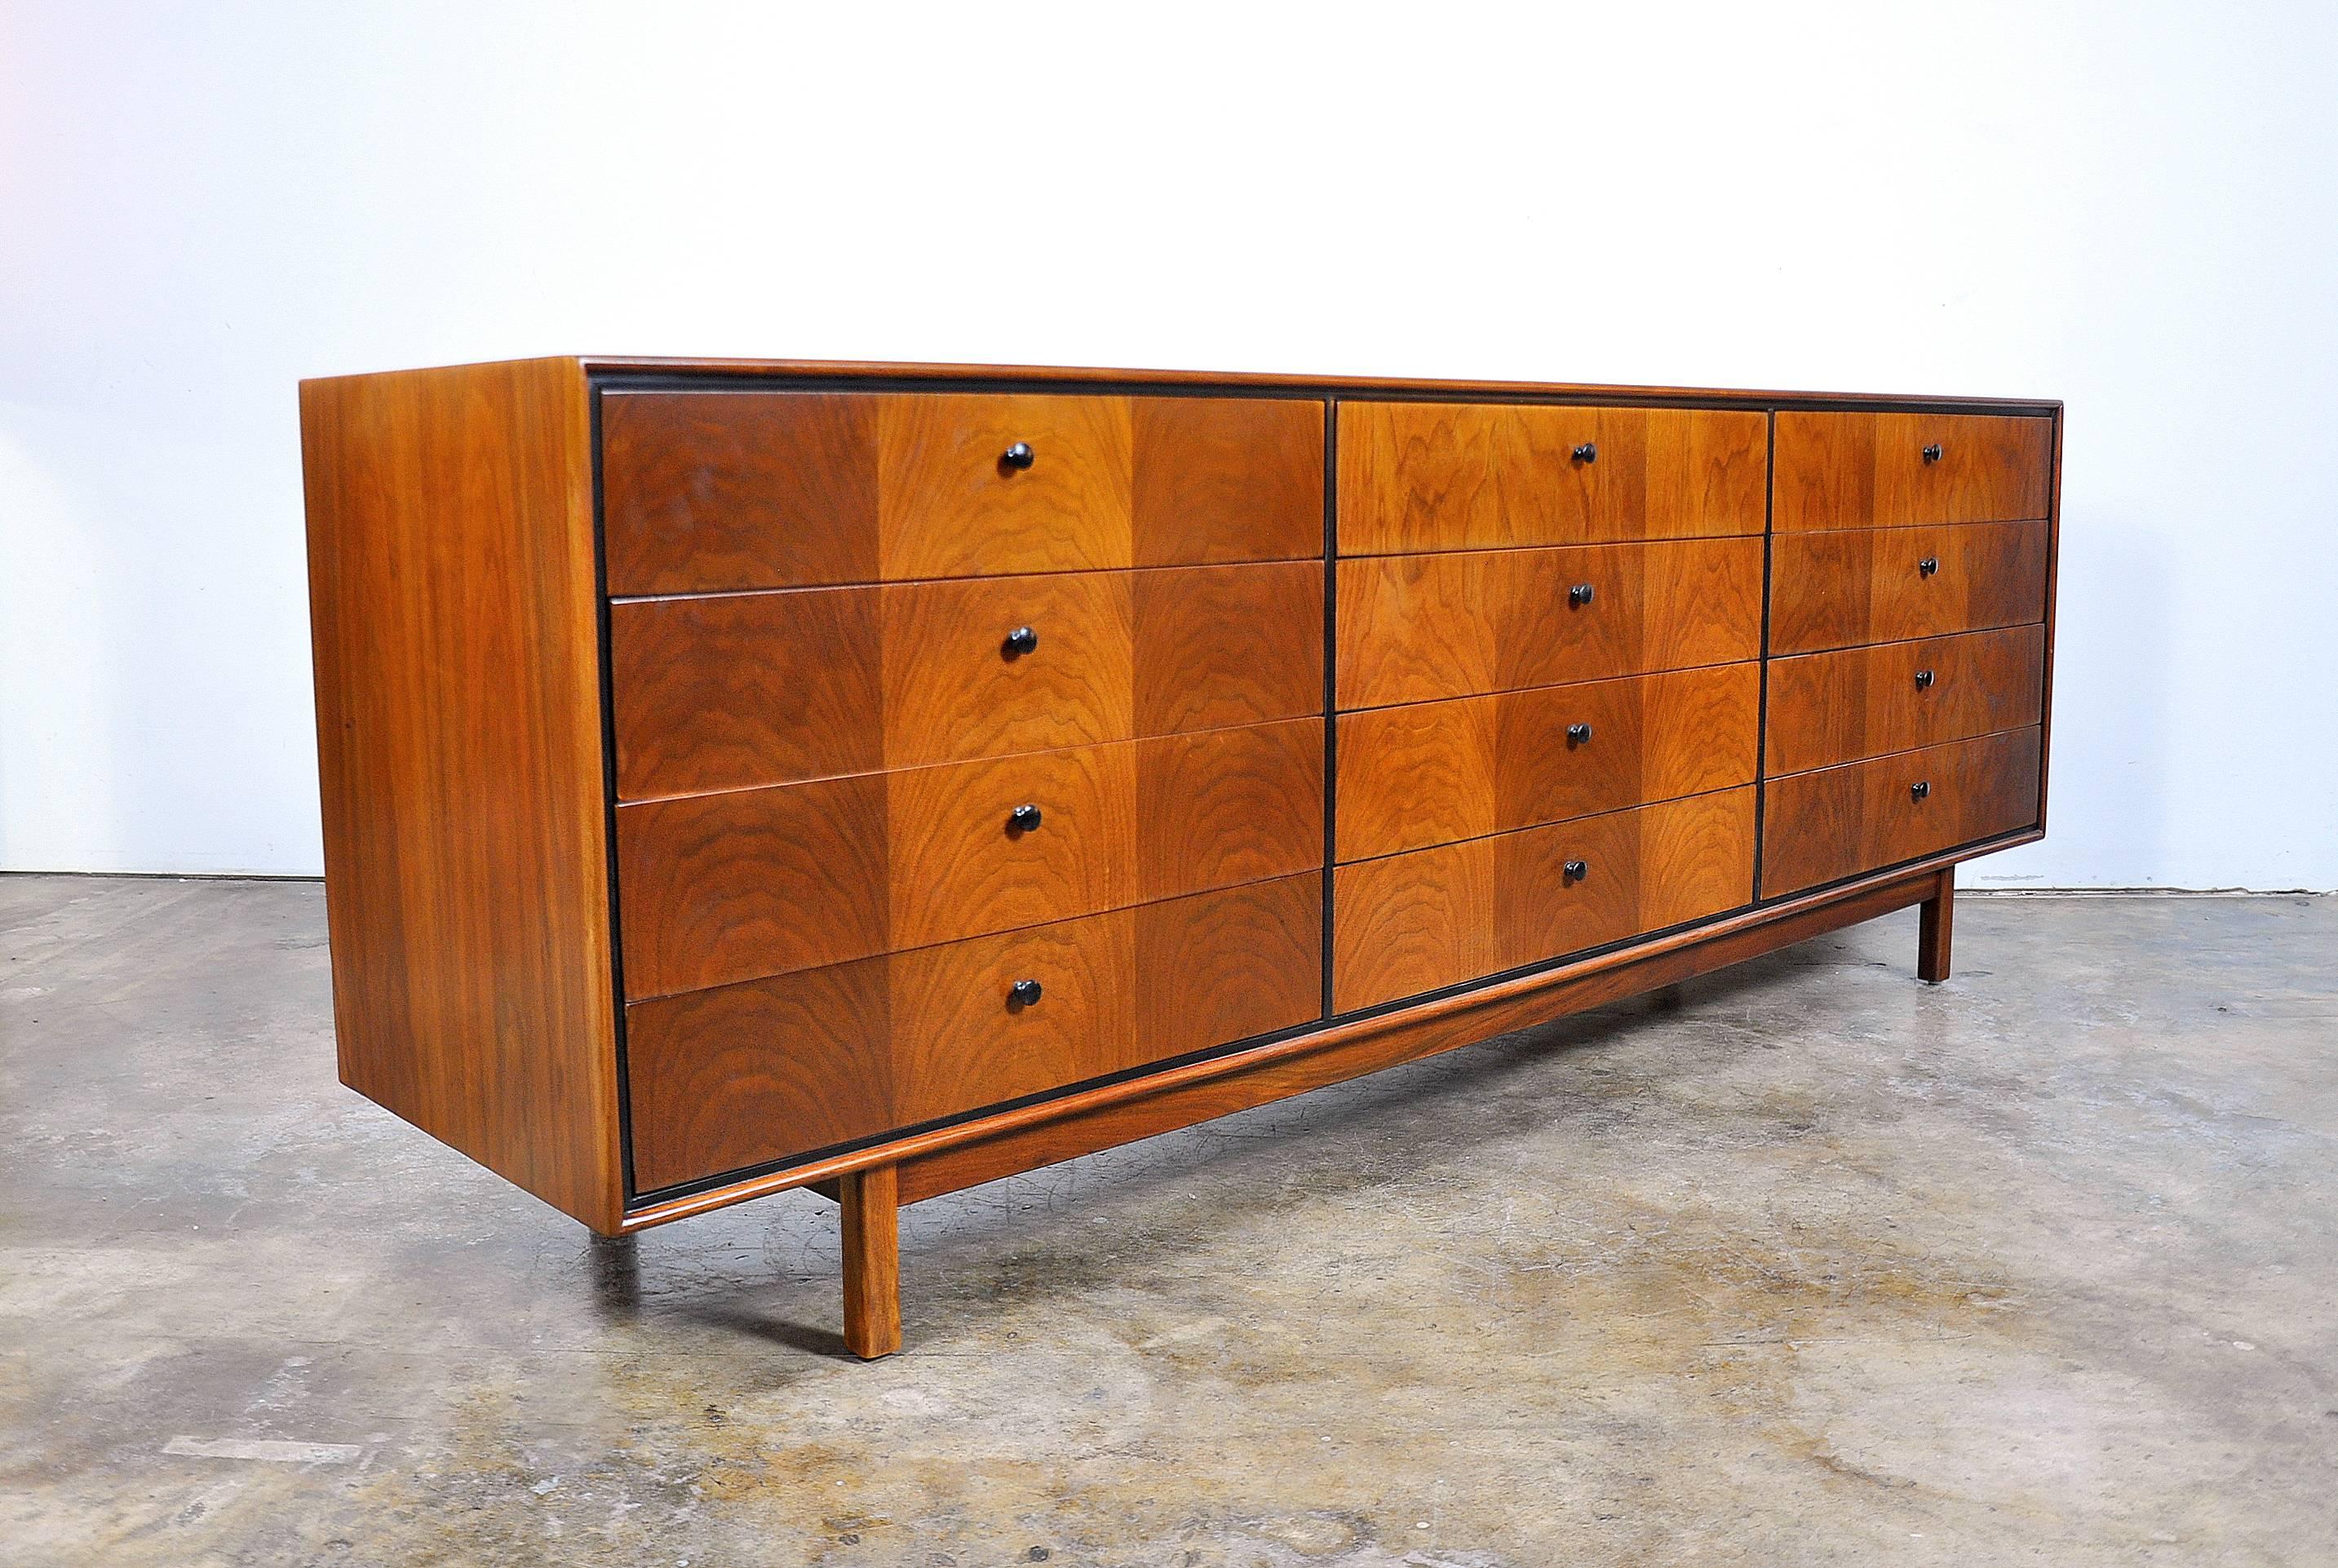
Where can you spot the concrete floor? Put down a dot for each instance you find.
(1818, 1266)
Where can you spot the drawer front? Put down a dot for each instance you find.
(1434, 917)
(727, 490)
(1845, 589)
(1145, 985)
(1838, 822)
(1418, 476)
(1861, 703)
(720, 1080)
(719, 889)
(738, 689)
(742, 1075)
(1432, 773)
(1421, 628)
(1899, 470)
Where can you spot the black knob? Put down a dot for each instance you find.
(1579, 595)
(1575, 870)
(1578, 734)
(1018, 455)
(1923, 680)
(1918, 789)
(1933, 453)
(1587, 453)
(1023, 994)
(1928, 565)
(1023, 819)
(1022, 640)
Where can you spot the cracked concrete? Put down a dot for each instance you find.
(1806, 1263)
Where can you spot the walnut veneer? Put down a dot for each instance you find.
(742, 776)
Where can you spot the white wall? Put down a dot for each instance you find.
(2128, 206)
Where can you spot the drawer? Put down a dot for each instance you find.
(1899, 470)
(1864, 815)
(722, 490)
(1417, 476)
(1434, 917)
(1431, 773)
(716, 888)
(735, 689)
(1859, 702)
(1420, 628)
(743, 1075)
(1841, 590)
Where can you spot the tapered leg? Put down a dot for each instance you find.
(1936, 916)
(872, 1261)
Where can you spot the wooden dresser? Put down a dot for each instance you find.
(740, 775)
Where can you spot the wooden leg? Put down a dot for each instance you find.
(1935, 917)
(872, 1261)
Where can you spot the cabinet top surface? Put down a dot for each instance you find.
(880, 375)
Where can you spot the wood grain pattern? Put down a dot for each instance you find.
(954, 691)
(1105, 1117)
(741, 1075)
(733, 690)
(947, 506)
(1420, 476)
(1118, 990)
(751, 688)
(1866, 470)
(725, 1079)
(1864, 815)
(707, 491)
(960, 1043)
(1846, 588)
(1429, 918)
(1418, 628)
(1228, 806)
(1228, 479)
(512, 542)
(871, 1261)
(1430, 773)
(1935, 930)
(738, 489)
(1861, 703)
(1227, 966)
(721, 887)
(1219, 645)
(725, 888)
(453, 613)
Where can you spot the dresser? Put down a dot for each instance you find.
(742, 776)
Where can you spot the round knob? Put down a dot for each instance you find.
(1022, 640)
(1023, 819)
(1587, 453)
(1018, 455)
(1933, 453)
(1919, 789)
(1023, 994)
(1928, 565)
(1923, 680)
(1579, 595)
(1576, 870)
(1578, 734)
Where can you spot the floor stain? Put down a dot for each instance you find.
(1803, 1262)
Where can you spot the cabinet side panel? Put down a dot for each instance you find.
(453, 613)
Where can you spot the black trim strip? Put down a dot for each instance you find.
(776, 380)
(1331, 681)
(810, 1156)
(609, 798)
(1762, 709)
(603, 380)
